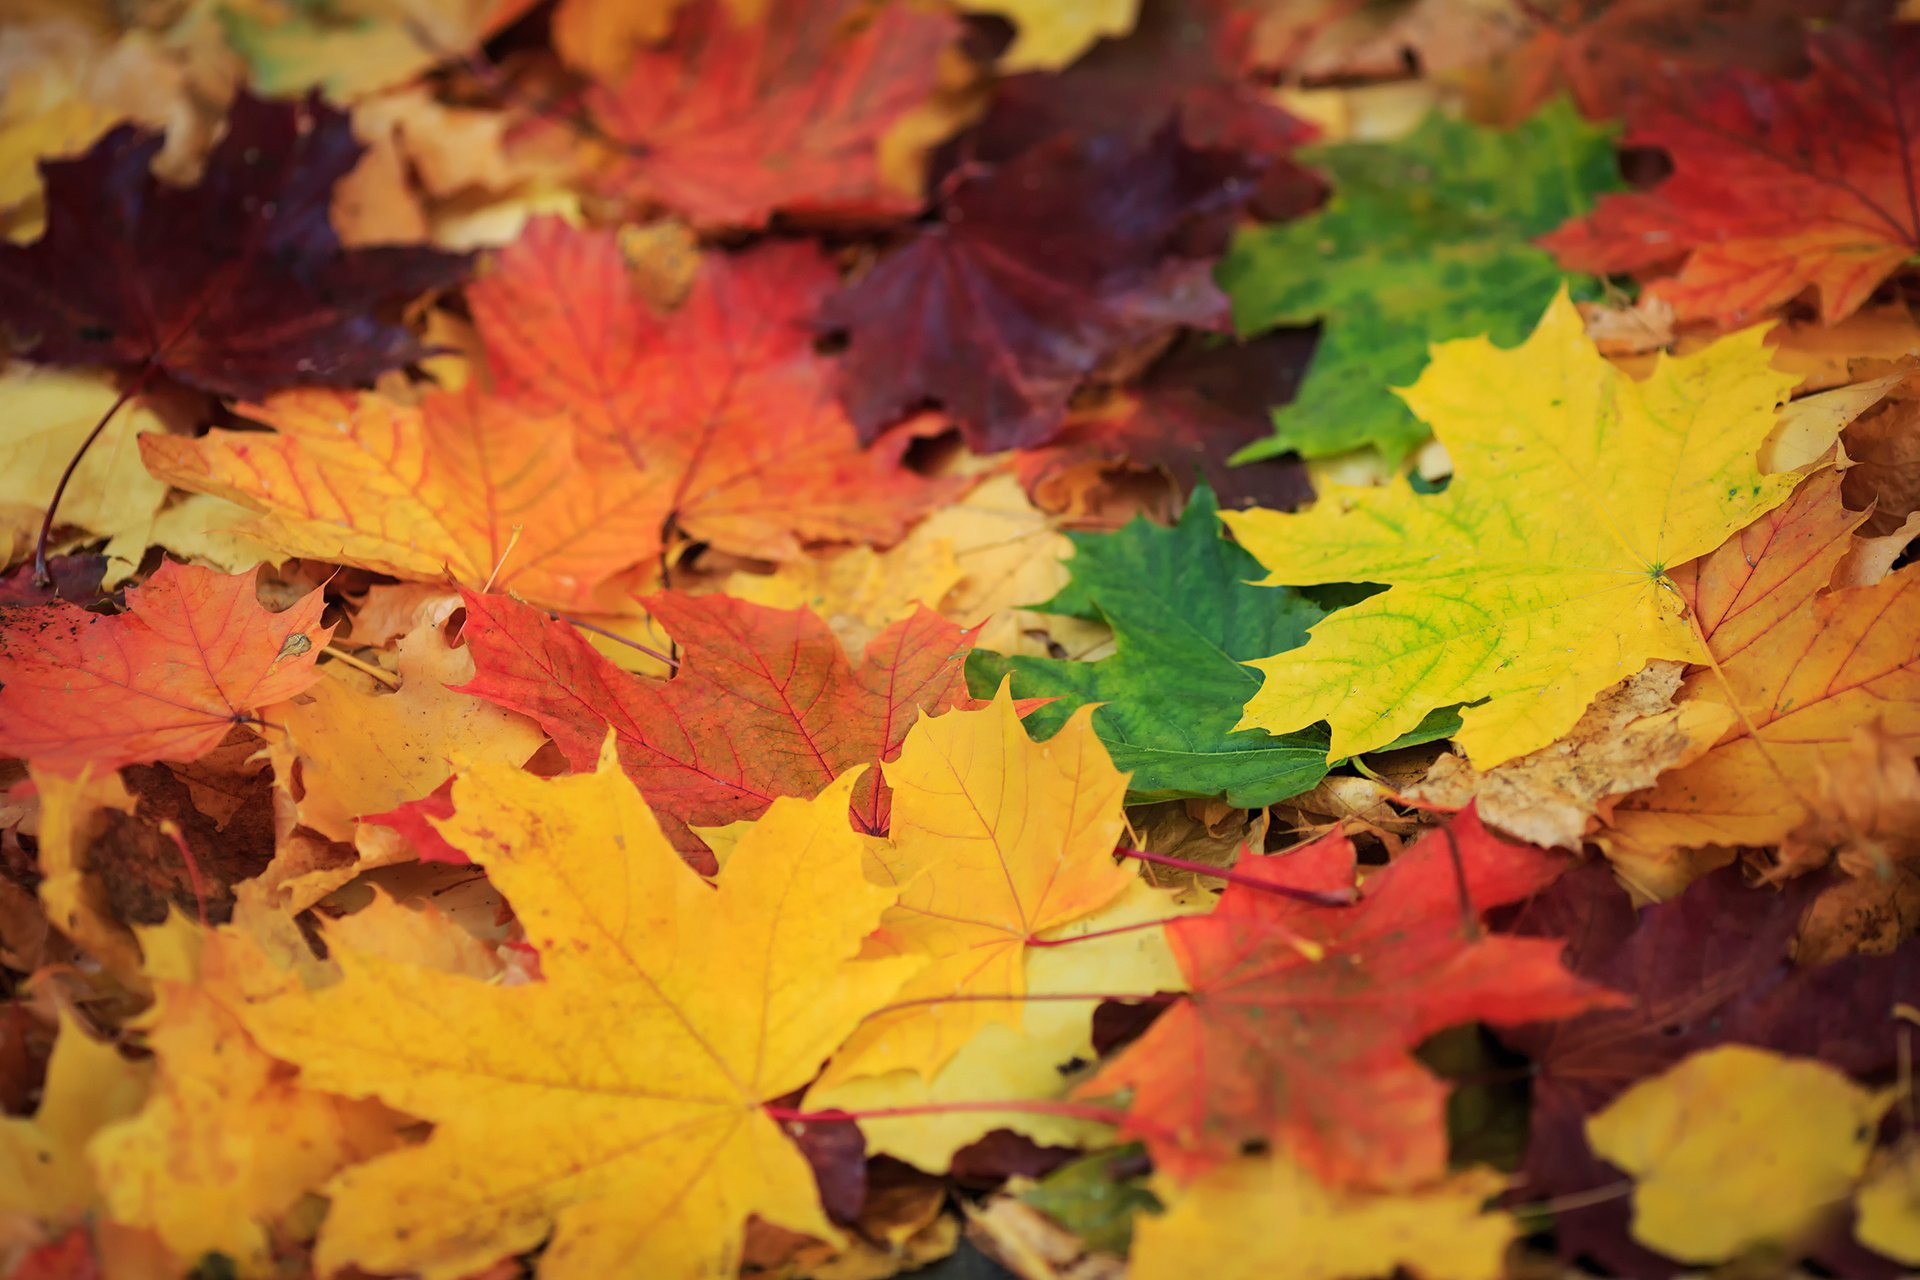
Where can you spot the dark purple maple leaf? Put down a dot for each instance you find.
(1708, 968)
(1194, 409)
(1181, 62)
(1034, 274)
(236, 285)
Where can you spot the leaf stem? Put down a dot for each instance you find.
(1318, 897)
(1153, 997)
(42, 575)
(361, 665)
(671, 663)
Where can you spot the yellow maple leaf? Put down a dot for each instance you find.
(1688, 1138)
(1021, 1062)
(361, 750)
(996, 840)
(43, 1168)
(1539, 576)
(618, 1103)
(191, 1165)
(468, 486)
(1308, 1232)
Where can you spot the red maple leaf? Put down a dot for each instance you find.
(1777, 185)
(722, 403)
(236, 285)
(192, 656)
(1035, 274)
(764, 703)
(731, 119)
(1302, 1018)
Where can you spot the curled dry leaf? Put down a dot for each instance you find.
(1629, 736)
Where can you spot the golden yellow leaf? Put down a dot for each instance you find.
(111, 495)
(1290, 1225)
(1020, 1061)
(467, 486)
(43, 1168)
(1049, 34)
(1887, 1208)
(1539, 576)
(1737, 1147)
(616, 1104)
(996, 840)
(193, 1166)
(361, 748)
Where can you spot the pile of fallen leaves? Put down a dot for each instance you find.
(1186, 638)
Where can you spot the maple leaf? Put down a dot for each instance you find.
(1683, 1135)
(1302, 1017)
(237, 285)
(1800, 667)
(1195, 407)
(1777, 185)
(1538, 578)
(1030, 279)
(733, 118)
(462, 485)
(1310, 1232)
(615, 1102)
(764, 702)
(1425, 238)
(193, 655)
(722, 405)
(979, 879)
(189, 1165)
(1185, 623)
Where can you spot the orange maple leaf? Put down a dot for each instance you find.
(192, 656)
(461, 485)
(722, 405)
(732, 118)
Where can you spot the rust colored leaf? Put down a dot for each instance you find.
(191, 657)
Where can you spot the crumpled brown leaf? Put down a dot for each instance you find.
(1866, 822)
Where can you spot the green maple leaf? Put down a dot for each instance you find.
(1424, 239)
(1184, 620)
